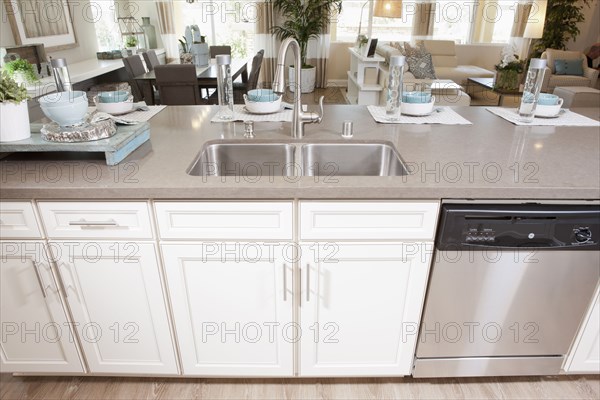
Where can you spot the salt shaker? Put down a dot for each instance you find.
(394, 88)
(225, 87)
(531, 90)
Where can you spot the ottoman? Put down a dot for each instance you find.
(578, 96)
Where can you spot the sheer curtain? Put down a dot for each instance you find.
(166, 25)
(318, 49)
(264, 39)
(423, 20)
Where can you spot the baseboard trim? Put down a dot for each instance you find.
(337, 83)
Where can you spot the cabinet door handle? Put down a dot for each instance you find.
(83, 222)
(307, 283)
(284, 282)
(71, 283)
(39, 278)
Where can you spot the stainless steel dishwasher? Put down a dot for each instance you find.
(508, 289)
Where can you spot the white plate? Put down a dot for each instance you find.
(262, 113)
(417, 115)
(561, 112)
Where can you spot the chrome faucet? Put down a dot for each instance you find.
(299, 117)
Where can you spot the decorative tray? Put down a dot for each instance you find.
(116, 147)
(85, 132)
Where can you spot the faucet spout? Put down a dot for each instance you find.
(299, 118)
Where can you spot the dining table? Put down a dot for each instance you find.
(207, 77)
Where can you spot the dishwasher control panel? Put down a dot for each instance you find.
(519, 226)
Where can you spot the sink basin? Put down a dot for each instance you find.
(351, 159)
(244, 159)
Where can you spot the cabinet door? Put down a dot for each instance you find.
(116, 299)
(585, 354)
(360, 307)
(232, 304)
(36, 334)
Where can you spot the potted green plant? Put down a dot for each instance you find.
(14, 113)
(21, 70)
(131, 43)
(304, 20)
(562, 19)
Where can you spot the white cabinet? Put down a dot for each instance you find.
(360, 90)
(360, 307)
(210, 220)
(96, 220)
(116, 299)
(36, 334)
(585, 353)
(232, 306)
(364, 299)
(367, 220)
(17, 220)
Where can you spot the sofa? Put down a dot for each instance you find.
(450, 76)
(445, 62)
(552, 80)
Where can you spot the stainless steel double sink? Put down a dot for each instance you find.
(250, 158)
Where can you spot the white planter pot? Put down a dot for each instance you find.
(308, 77)
(14, 121)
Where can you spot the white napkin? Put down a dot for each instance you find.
(100, 116)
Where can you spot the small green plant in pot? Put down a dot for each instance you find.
(305, 20)
(14, 112)
(22, 71)
(131, 43)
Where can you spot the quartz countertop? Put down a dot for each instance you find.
(491, 159)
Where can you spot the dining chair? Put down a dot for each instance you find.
(216, 50)
(151, 59)
(241, 88)
(178, 84)
(134, 67)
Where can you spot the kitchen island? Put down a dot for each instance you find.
(155, 272)
(490, 159)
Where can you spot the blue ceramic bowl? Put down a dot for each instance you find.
(548, 99)
(416, 97)
(68, 114)
(117, 96)
(62, 98)
(262, 95)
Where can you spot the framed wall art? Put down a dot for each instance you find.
(34, 21)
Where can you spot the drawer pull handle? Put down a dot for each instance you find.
(39, 278)
(83, 222)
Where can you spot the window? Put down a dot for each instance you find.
(464, 21)
(386, 29)
(453, 20)
(108, 35)
(222, 22)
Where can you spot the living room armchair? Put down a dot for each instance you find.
(588, 77)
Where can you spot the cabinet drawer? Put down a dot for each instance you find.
(17, 221)
(368, 220)
(96, 220)
(225, 220)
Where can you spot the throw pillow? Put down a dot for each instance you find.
(398, 46)
(568, 67)
(421, 67)
(418, 50)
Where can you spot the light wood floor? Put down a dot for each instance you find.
(564, 387)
